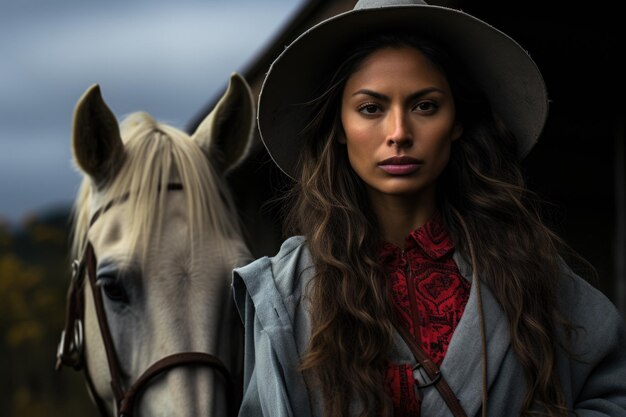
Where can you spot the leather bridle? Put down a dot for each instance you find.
(71, 347)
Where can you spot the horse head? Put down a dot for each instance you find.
(150, 314)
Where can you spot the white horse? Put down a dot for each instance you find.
(158, 237)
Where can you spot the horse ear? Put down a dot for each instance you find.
(226, 133)
(96, 140)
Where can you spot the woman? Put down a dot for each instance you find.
(423, 280)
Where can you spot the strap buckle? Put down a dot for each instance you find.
(70, 353)
(423, 379)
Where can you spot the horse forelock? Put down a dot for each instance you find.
(157, 154)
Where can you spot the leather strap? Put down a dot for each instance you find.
(433, 372)
(175, 360)
(109, 348)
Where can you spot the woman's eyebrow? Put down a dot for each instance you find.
(383, 97)
(372, 93)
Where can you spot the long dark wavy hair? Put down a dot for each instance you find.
(485, 205)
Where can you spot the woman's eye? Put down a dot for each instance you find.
(113, 289)
(425, 106)
(369, 108)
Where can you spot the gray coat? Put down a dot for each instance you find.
(268, 294)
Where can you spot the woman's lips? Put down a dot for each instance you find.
(400, 165)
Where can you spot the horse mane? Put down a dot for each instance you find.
(155, 154)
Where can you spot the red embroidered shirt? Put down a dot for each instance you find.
(429, 296)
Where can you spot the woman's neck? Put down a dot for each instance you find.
(399, 215)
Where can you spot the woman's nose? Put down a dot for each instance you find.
(398, 129)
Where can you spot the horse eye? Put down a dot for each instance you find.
(113, 289)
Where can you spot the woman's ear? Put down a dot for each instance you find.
(457, 131)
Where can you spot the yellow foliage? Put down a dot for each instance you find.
(45, 299)
(17, 284)
(33, 283)
(26, 305)
(26, 404)
(22, 397)
(5, 237)
(14, 274)
(24, 332)
(41, 233)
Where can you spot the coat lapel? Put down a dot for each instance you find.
(462, 365)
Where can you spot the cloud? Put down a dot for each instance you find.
(171, 49)
(166, 58)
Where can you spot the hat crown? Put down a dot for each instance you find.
(371, 4)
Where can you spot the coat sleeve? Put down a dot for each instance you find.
(273, 385)
(264, 388)
(599, 365)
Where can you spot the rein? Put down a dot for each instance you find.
(71, 350)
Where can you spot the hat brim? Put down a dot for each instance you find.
(499, 65)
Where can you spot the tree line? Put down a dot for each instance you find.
(34, 275)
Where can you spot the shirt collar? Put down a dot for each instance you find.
(432, 238)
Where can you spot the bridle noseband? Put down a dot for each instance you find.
(71, 347)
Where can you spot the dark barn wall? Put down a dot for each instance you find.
(578, 163)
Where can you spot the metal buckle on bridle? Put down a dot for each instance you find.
(77, 269)
(70, 352)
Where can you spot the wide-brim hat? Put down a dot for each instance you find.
(501, 68)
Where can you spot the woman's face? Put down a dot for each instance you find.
(398, 117)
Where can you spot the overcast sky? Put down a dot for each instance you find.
(167, 58)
